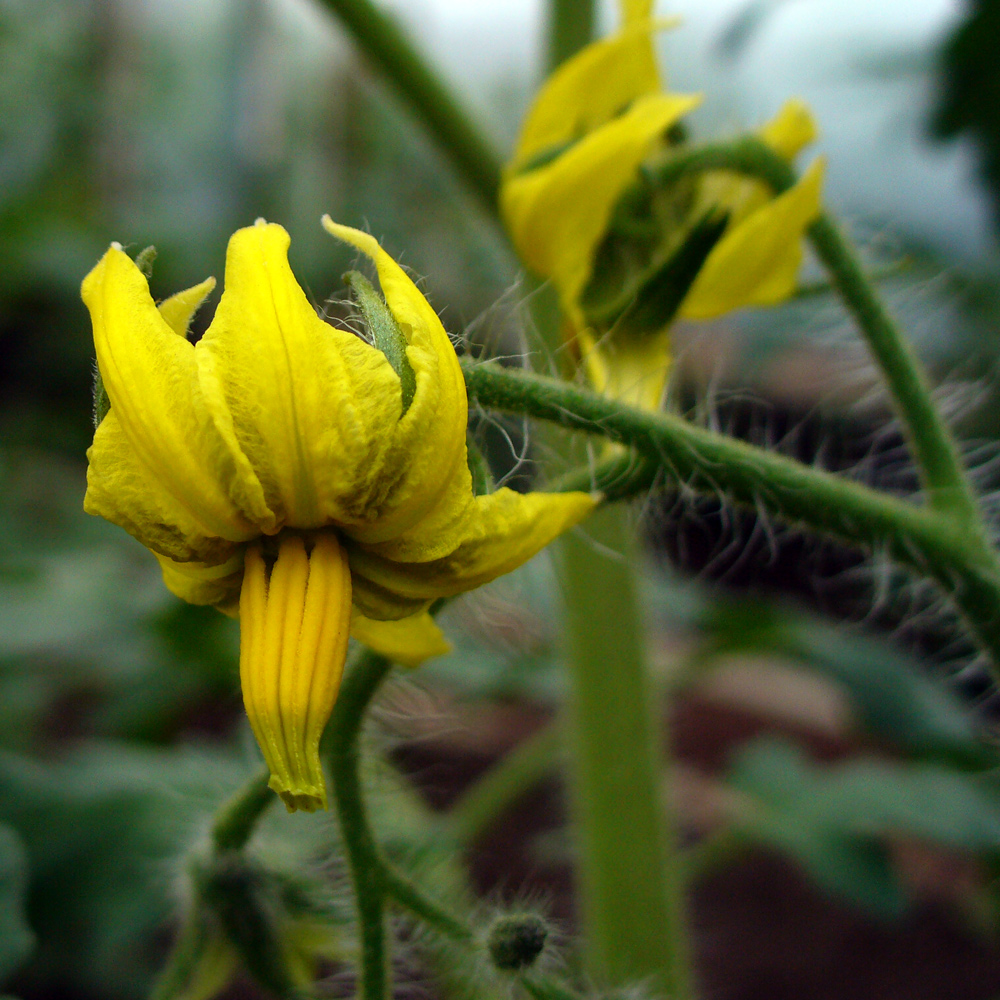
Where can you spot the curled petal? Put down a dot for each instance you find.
(558, 213)
(756, 263)
(425, 452)
(310, 406)
(791, 130)
(588, 90)
(150, 377)
(408, 641)
(294, 625)
(197, 583)
(508, 529)
(123, 490)
(633, 370)
(180, 308)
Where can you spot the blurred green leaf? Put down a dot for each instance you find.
(16, 939)
(837, 819)
(893, 696)
(970, 100)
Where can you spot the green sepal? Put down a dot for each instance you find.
(385, 332)
(101, 401)
(144, 260)
(479, 468)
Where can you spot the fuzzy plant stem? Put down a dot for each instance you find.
(389, 48)
(630, 896)
(238, 817)
(630, 901)
(933, 446)
(923, 539)
(361, 682)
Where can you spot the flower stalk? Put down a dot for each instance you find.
(920, 538)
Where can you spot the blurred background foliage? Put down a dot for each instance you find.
(173, 122)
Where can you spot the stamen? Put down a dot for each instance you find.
(294, 626)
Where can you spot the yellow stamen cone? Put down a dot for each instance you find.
(294, 622)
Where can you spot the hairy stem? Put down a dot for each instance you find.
(415, 82)
(921, 538)
(570, 28)
(361, 682)
(238, 817)
(933, 446)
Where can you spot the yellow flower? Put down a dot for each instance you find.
(281, 470)
(592, 125)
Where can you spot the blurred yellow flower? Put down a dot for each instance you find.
(280, 470)
(594, 122)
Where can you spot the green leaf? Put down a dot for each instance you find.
(970, 100)
(16, 938)
(893, 696)
(836, 820)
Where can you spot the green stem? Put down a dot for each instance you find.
(238, 817)
(937, 456)
(632, 906)
(361, 682)
(410, 896)
(933, 446)
(570, 28)
(502, 785)
(434, 104)
(918, 537)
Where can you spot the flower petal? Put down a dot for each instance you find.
(756, 263)
(310, 406)
(791, 130)
(294, 625)
(180, 308)
(557, 214)
(508, 529)
(150, 377)
(630, 369)
(198, 583)
(588, 90)
(424, 457)
(124, 491)
(408, 641)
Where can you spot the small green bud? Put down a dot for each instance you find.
(516, 940)
(385, 332)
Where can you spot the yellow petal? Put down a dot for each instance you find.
(294, 626)
(635, 11)
(180, 308)
(313, 408)
(124, 491)
(151, 380)
(588, 90)
(558, 214)
(507, 530)
(425, 453)
(197, 583)
(630, 369)
(408, 641)
(791, 130)
(756, 263)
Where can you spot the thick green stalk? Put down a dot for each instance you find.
(631, 902)
(361, 681)
(438, 109)
(933, 446)
(570, 28)
(921, 538)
